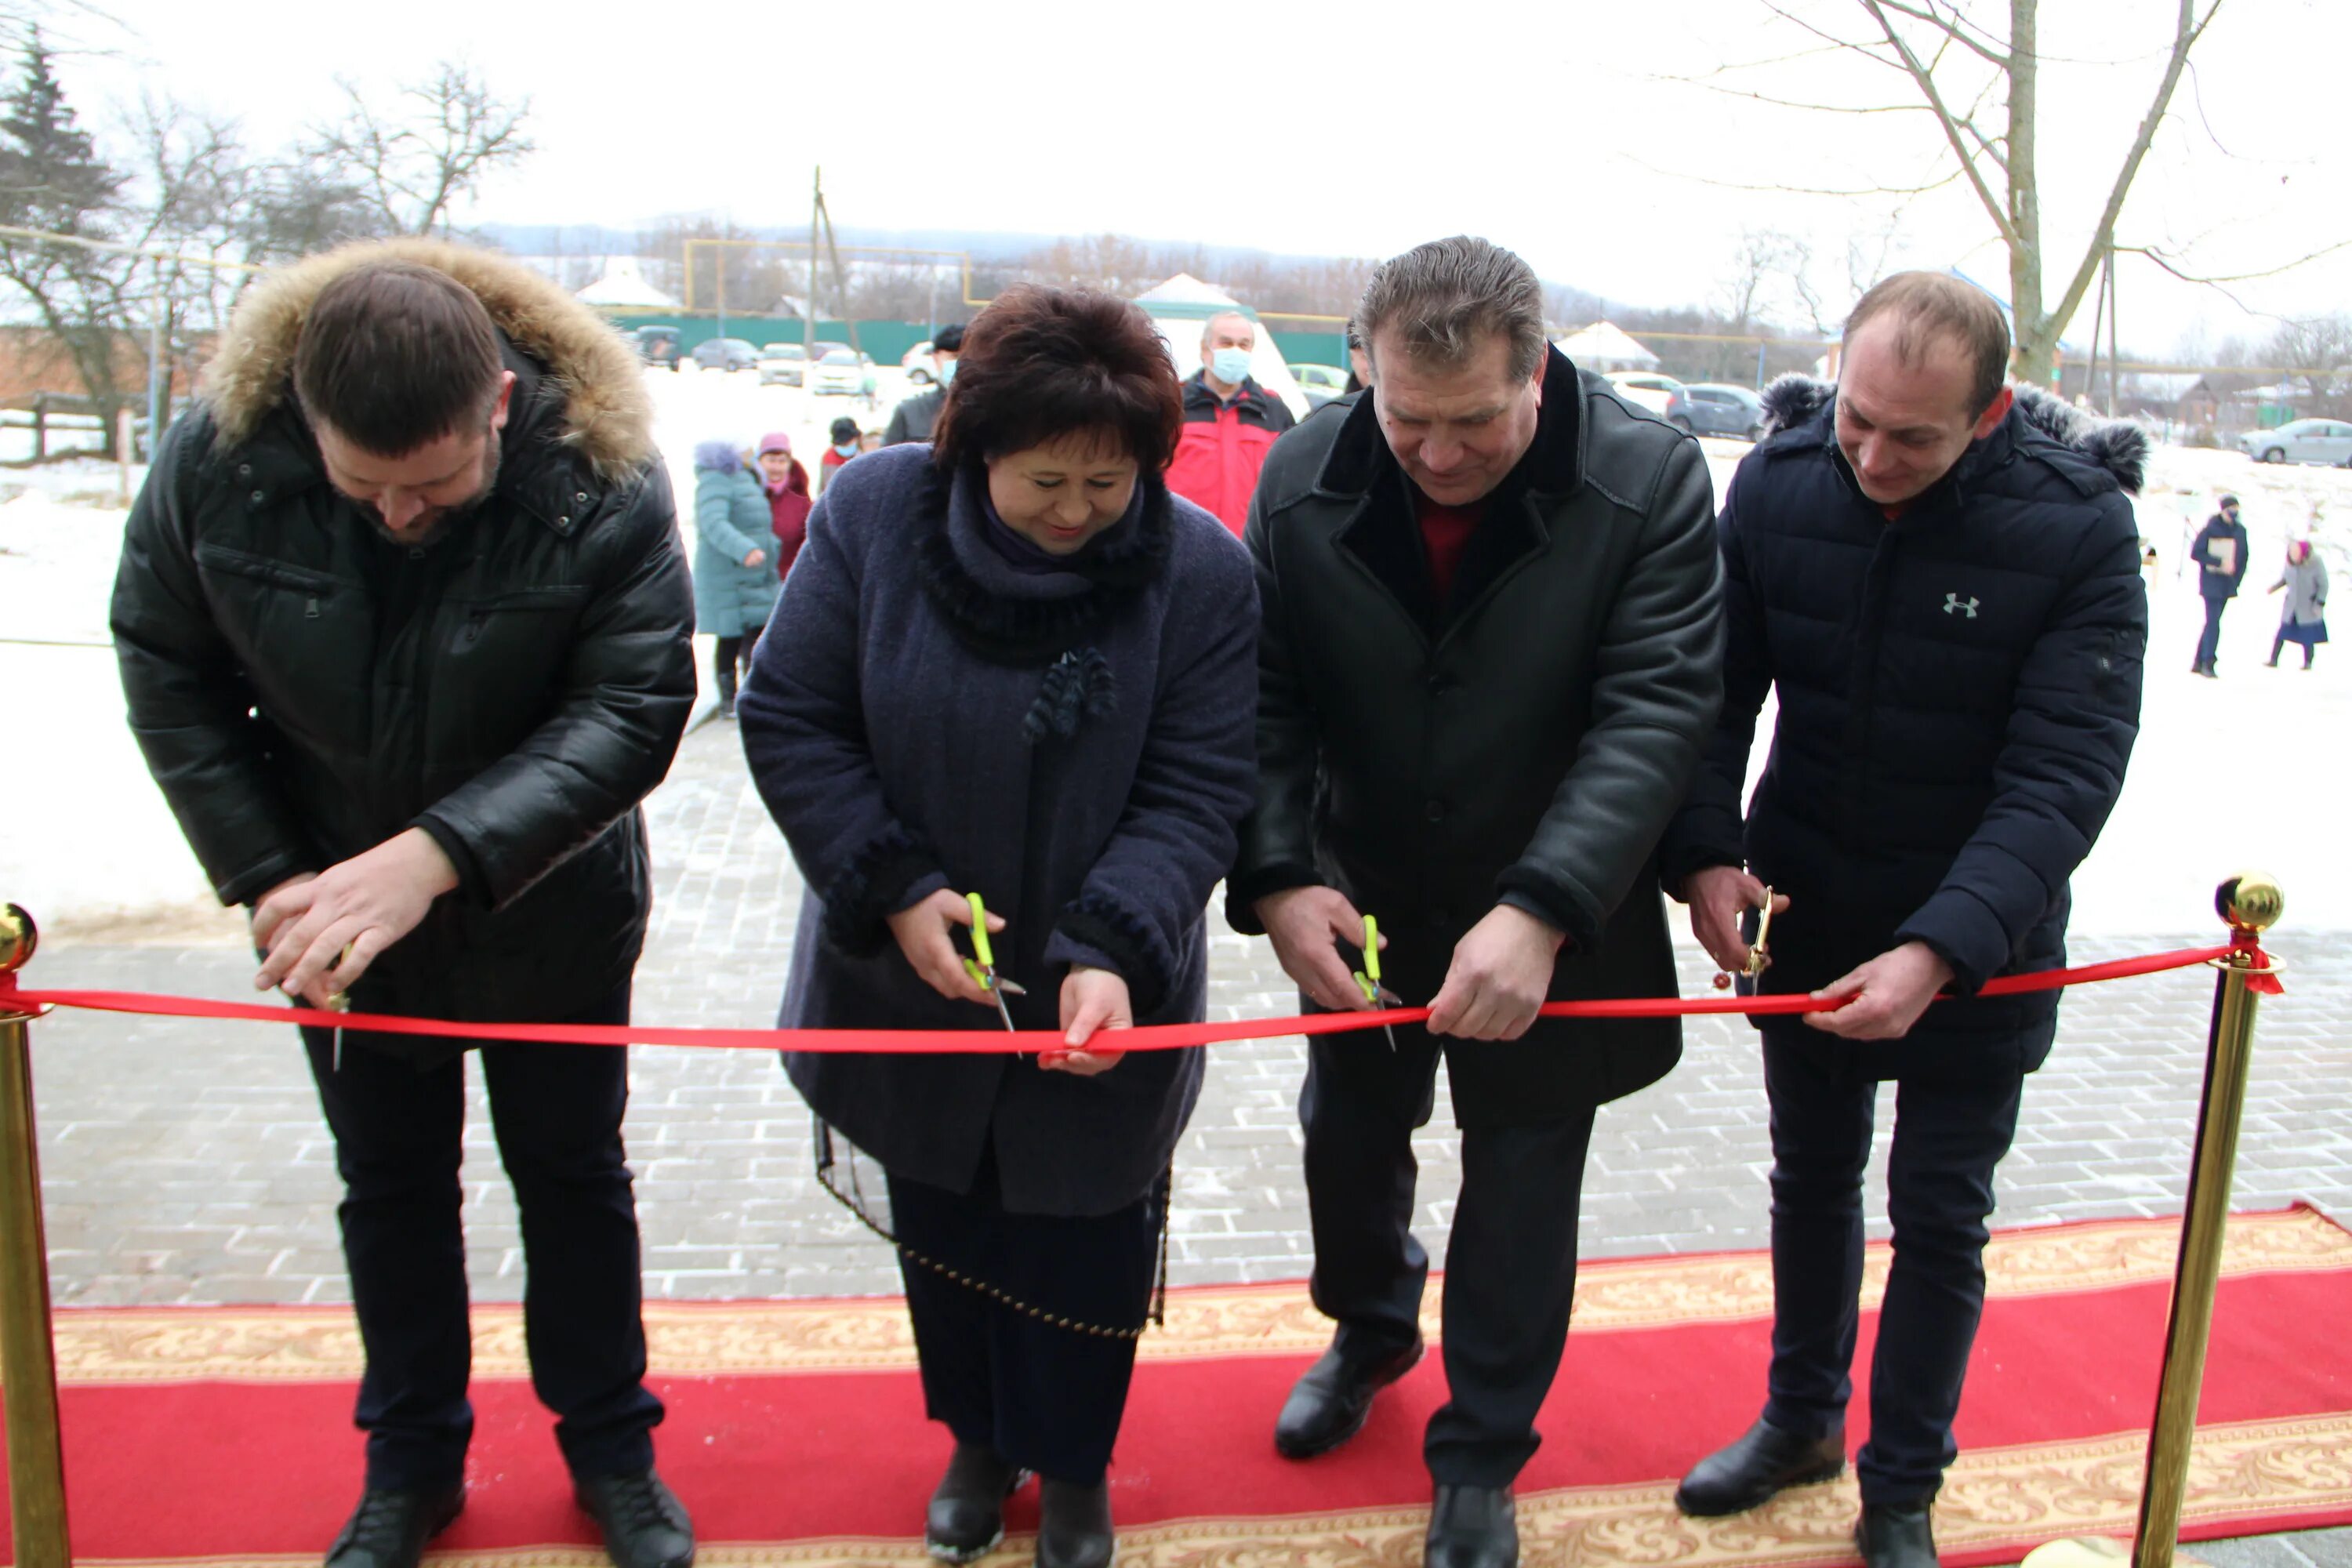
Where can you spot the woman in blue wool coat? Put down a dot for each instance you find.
(734, 586)
(1012, 663)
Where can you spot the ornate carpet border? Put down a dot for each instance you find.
(1996, 1503)
(302, 1345)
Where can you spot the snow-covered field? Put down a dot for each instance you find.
(2229, 774)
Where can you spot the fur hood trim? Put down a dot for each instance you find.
(2117, 446)
(607, 412)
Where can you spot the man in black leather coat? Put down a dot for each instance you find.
(1489, 656)
(404, 631)
(1939, 578)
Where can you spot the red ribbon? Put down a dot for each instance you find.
(2246, 952)
(1158, 1036)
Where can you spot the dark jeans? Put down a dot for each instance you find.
(1949, 1133)
(1510, 1267)
(2209, 644)
(557, 1113)
(1048, 1399)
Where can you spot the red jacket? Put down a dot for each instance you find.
(1222, 446)
(789, 509)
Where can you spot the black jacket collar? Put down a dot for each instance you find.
(1384, 532)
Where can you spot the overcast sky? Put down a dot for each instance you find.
(1558, 129)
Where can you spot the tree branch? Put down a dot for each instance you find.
(1954, 28)
(2185, 35)
(1925, 81)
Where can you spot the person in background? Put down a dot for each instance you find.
(405, 633)
(1360, 363)
(1938, 576)
(2219, 554)
(913, 418)
(2303, 619)
(1012, 663)
(869, 440)
(787, 484)
(844, 445)
(734, 532)
(1230, 423)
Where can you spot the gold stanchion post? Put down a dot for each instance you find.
(2252, 903)
(29, 1369)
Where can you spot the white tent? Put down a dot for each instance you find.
(624, 285)
(1180, 309)
(1602, 346)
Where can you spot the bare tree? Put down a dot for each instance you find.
(2318, 355)
(430, 148)
(1979, 83)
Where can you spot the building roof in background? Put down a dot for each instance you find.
(625, 283)
(1605, 346)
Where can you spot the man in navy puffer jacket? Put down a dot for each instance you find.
(1940, 577)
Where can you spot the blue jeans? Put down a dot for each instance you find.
(1949, 1133)
(2209, 644)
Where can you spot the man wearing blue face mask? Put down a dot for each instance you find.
(1230, 422)
(913, 419)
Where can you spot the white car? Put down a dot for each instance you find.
(1645, 388)
(2304, 441)
(842, 371)
(916, 363)
(781, 365)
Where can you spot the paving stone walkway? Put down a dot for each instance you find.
(186, 1162)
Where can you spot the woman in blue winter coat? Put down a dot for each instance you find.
(734, 588)
(1011, 663)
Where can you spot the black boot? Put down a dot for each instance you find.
(1332, 1399)
(1472, 1527)
(389, 1529)
(1074, 1527)
(966, 1518)
(1750, 1472)
(644, 1523)
(1892, 1536)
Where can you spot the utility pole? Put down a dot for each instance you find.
(808, 315)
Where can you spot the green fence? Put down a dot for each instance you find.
(888, 341)
(1313, 348)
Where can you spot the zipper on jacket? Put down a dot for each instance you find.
(310, 609)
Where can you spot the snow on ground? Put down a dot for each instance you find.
(2228, 775)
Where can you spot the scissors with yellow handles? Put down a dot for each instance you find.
(981, 965)
(1369, 977)
(1759, 951)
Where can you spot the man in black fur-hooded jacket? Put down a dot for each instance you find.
(405, 634)
(1940, 578)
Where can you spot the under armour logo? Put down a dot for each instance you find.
(1954, 604)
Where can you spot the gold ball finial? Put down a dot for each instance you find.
(18, 937)
(2250, 901)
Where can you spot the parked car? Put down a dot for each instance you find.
(823, 346)
(1717, 408)
(916, 363)
(726, 354)
(1320, 382)
(2304, 441)
(1645, 388)
(656, 345)
(783, 365)
(842, 371)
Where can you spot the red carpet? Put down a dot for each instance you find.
(797, 1436)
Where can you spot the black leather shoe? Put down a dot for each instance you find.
(966, 1518)
(644, 1523)
(1332, 1399)
(1472, 1527)
(389, 1529)
(1896, 1537)
(1750, 1472)
(1074, 1525)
